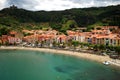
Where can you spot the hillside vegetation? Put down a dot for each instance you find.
(15, 18)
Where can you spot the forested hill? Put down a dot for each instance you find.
(61, 20)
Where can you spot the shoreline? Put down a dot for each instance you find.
(88, 56)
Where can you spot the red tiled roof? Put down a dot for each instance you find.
(13, 32)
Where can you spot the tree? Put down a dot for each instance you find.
(102, 47)
(54, 43)
(90, 46)
(81, 45)
(75, 44)
(96, 47)
(69, 43)
(117, 50)
(110, 47)
(4, 31)
(36, 43)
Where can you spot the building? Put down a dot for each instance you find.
(13, 40)
(4, 39)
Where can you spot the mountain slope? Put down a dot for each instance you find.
(14, 17)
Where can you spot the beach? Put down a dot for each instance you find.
(89, 56)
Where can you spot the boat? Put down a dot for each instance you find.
(106, 63)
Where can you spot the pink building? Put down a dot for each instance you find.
(13, 40)
(61, 38)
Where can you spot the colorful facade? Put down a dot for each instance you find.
(103, 35)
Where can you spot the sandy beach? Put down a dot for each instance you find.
(93, 57)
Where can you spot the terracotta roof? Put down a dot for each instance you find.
(13, 32)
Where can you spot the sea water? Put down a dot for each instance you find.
(35, 65)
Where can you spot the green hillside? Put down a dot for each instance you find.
(15, 18)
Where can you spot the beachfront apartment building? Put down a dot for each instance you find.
(103, 35)
(77, 36)
(13, 37)
(5, 39)
(44, 37)
(61, 38)
(14, 40)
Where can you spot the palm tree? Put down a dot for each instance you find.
(96, 47)
(69, 43)
(75, 44)
(54, 43)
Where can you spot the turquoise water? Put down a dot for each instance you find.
(34, 65)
